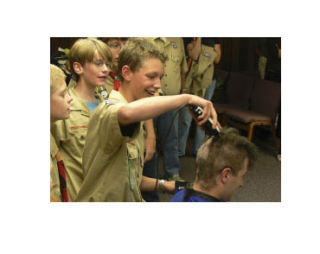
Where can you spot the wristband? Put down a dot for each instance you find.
(161, 185)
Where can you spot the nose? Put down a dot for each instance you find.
(106, 68)
(69, 99)
(158, 83)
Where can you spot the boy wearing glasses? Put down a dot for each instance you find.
(90, 64)
(115, 44)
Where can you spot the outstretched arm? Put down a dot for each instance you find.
(147, 108)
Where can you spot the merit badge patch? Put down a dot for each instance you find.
(207, 54)
(174, 45)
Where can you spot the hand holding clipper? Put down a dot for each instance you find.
(196, 111)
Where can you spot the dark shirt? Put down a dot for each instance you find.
(208, 41)
(191, 195)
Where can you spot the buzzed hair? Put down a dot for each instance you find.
(135, 52)
(57, 77)
(227, 150)
(84, 50)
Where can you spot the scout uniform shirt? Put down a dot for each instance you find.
(200, 76)
(176, 64)
(109, 84)
(55, 194)
(70, 135)
(112, 162)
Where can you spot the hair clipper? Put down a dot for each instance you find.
(196, 111)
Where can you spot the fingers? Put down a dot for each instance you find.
(208, 112)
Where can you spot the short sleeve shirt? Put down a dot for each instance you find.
(70, 135)
(112, 162)
(200, 76)
(55, 193)
(175, 66)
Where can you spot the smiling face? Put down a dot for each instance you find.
(60, 102)
(146, 81)
(93, 73)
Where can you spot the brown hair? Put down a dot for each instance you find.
(135, 52)
(227, 150)
(84, 50)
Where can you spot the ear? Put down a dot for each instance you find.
(225, 175)
(77, 67)
(126, 72)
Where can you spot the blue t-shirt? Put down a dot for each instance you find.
(190, 195)
(92, 105)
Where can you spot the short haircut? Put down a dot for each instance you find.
(57, 77)
(227, 150)
(135, 52)
(84, 50)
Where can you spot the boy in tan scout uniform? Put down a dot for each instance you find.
(116, 44)
(59, 109)
(203, 53)
(90, 63)
(172, 84)
(113, 153)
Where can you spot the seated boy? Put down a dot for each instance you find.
(222, 161)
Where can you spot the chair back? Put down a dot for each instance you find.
(239, 89)
(266, 98)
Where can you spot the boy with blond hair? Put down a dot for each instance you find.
(59, 109)
(90, 61)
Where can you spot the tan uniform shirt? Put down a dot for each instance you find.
(109, 84)
(175, 66)
(200, 76)
(55, 194)
(70, 135)
(112, 162)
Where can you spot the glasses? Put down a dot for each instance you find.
(100, 63)
(116, 45)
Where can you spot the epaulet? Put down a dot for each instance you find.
(110, 102)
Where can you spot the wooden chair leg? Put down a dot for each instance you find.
(276, 141)
(250, 132)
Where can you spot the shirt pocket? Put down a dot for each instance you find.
(134, 165)
(79, 132)
(175, 59)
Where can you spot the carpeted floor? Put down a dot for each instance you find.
(261, 184)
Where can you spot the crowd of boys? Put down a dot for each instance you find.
(103, 145)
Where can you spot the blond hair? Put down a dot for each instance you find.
(57, 77)
(84, 50)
